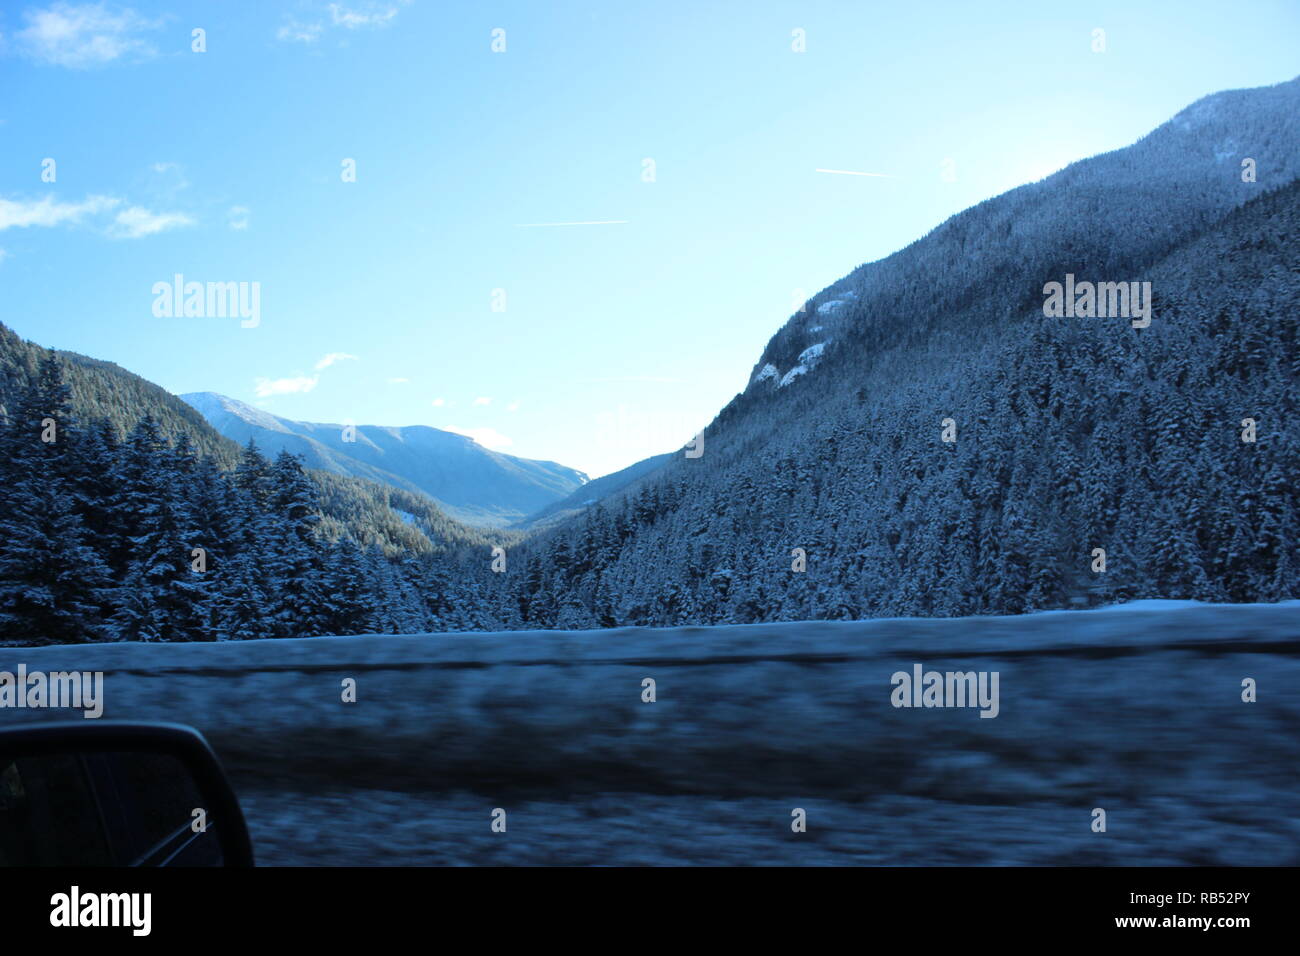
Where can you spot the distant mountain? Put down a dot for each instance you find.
(366, 511)
(469, 482)
(592, 493)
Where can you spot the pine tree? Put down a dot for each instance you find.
(295, 567)
(52, 583)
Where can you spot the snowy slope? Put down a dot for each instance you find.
(1191, 161)
(593, 492)
(1136, 710)
(471, 483)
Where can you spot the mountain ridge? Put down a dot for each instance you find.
(472, 484)
(1184, 162)
(368, 512)
(1069, 432)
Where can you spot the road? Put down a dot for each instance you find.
(1137, 711)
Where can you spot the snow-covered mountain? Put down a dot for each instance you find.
(593, 493)
(364, 511)
(926, 437)
(471, 483)
(1093, 218)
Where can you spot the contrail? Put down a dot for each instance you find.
(849, 172)
(597, 222)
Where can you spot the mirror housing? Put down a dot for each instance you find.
(116, 793)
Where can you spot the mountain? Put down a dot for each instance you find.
(1100, 218)
(592, 493)
(930, 436)
(1070, 434)
(368, 512)
(104, 390)
(469, 482)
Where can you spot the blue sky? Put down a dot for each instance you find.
(617, 340)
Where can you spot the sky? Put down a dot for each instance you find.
(566, 229)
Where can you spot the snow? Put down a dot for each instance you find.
(791, 375)
(808, 360)
(1227, 149)
(832, 306)
(812, 354)
(1134, 708)
(768, 371)
(218, 408)
(1199, 114)
(1164, 604)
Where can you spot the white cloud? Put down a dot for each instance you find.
(169, 179)
(136, 222)
(3, 255)
(482, 401)
(512, 407)
(50, 212)
(237, 217)
(398, 381)
(265, 387)
(439, 402)
(487, 437)
(371, 15)
(294, 32)
(79, 36)
(365, 16)
(133, 222)
(333, 357)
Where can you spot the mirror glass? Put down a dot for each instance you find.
(108, 808)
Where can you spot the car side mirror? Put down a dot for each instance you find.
(116, 794)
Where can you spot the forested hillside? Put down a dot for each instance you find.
(104, 391)
(1070, 435)
(1101, 218)
(591, 493)
(923, 440)
(369, 512)
(146, 540)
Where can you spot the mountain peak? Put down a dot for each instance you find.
(213, 405)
